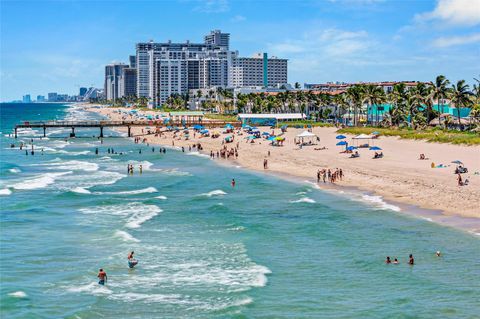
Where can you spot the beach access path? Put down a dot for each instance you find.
(399, 176)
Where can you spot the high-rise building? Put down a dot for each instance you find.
(258, 70)
(133, 61)
(218, 39)
(27, 99)
(201, 65)
(40, 98)
(82, 91)
(52, 97)
(113, 73)
(128, 82)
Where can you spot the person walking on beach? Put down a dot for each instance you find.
(265, 163)
(318, 176)
(411, 261)
(102, 277)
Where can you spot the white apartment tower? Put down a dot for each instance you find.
(168, 68)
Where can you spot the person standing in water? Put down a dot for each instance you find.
(141, 168)
(102, 277)
(411, 261)
(233, 182)
(130, 256)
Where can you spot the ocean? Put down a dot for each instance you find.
(267, 248)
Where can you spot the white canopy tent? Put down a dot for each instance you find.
(362, 137)
(306, 134)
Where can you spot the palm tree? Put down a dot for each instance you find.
(374, 95)
(355, 97)
(460, 97)
(440, 92)
(341, 103)
(297, 85)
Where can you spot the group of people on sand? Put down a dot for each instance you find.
(130, 169)
(331, 175)
(225, 153)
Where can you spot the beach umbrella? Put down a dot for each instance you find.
(265, 133)
(342, 143)
(228, 125)
(271, 138)
(251, 137)
(340, 137)
(457, 162)
(197, 127)
(375, 148)
(351, 148)
(375, 133)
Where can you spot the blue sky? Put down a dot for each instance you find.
(57, 46)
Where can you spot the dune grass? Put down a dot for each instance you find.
(429, 135)
(303, 123)
(221, 117)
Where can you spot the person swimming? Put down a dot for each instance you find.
(395, 261)
(388, 261)
(411, 261)
(102, 276)
(438, 253)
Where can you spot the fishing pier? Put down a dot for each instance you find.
(158, 124)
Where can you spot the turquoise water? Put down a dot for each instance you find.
(267, 248)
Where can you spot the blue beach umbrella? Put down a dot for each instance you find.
(351, 148)
(265, 133)
(251, 137)
(457, 162)
(228, 125)
(197, 127)
(375, 148)
(375, 133)
(342, 143)
(340, 137)
(271, 138)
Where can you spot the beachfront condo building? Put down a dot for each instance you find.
(113, 75)
(258, 70)
(170, 68)
(128, 82)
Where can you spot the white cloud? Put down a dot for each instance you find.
(332, 43)
(454, 12)
(212, 6)
(238, 18)
(443, 42)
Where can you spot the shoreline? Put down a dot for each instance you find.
(440, 212)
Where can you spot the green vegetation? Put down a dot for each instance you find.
(221, 117)
(305, 122)
(430, 135)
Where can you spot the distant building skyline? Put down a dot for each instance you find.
(341, 40)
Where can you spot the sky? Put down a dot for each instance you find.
(58, 46)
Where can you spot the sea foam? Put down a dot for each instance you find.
(18, 294)
(304, 200)
(378, 202)
(39, 181)
(5, 191)
(217, 192)
(126, 236)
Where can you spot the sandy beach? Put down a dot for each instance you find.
(399, 176)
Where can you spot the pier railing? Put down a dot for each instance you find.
(127, 124)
